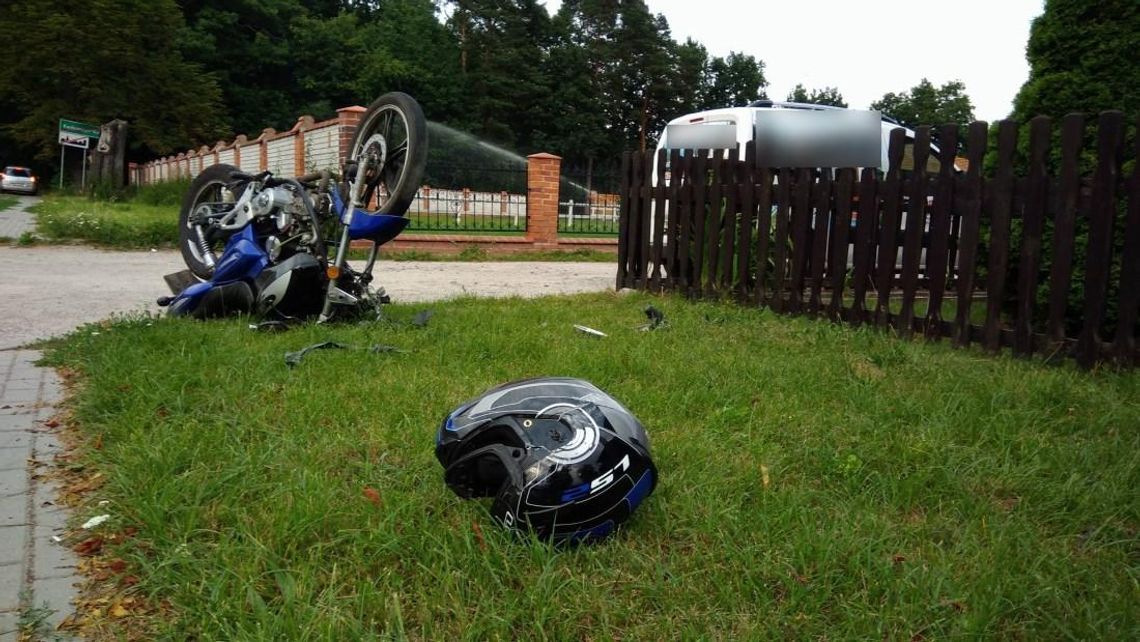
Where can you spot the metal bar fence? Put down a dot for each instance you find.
(471, 198)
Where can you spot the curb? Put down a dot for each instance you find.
(38, 577)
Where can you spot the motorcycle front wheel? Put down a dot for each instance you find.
(200, 244)
(391, 141)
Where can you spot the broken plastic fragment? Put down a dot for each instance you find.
(95, 521)
(590, 331)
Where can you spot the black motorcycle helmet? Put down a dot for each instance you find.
(561, 458)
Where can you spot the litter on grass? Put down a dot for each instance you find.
(95, 521)
(293, 359)
(590, 331)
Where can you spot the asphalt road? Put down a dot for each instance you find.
(50, 290)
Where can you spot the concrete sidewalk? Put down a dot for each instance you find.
(37, 575)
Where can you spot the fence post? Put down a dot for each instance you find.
(303, 124)
(347, 119)
(542, 172)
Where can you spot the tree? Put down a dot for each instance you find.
(737, 80)
(926, 104)
(118, 63)
(825, 96)
(1082, 58)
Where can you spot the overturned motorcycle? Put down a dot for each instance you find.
(275, 234)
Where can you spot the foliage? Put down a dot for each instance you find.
(817, 481)
(118, 63)
(122, 224)
(7, 201)
(1082, 58)
(825, 96)
(925, 104)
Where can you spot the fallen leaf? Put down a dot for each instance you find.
(372, 495)
(89, 546)
(130, 580)
(898, 559)
(98, 445)
(51, 423)
(119, 611)
(479, 535)
(117, 565)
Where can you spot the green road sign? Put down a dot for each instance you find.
(78, 129)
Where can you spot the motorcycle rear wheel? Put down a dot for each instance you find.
(392, 138)
(201, 245)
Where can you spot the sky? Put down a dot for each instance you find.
(867, 49)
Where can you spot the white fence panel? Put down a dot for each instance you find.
(279, 156)
(322, 149)
(226, 157)
(251, 159)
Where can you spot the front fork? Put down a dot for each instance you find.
(333, 294)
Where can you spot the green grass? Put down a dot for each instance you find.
(7, 201)
(126, 224)
(817, 481)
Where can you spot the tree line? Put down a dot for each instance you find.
(595, 79)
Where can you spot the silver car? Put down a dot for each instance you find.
(18, 179)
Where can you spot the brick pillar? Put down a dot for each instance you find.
(303, 124)
(347, 119)
(238, 142)
(263, 140)
(542, 172)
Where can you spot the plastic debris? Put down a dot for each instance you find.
(294, 358)
(590, 331)
(269, 326)
(95, 521)
(656, 319)
(421, 318)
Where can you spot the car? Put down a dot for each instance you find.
(18, 179)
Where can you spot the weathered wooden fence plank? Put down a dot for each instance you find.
(888, 230)
(936, 263)
(865, 227)
(840, 242)
(915, 227)
(673, 230)
(801, 250)
(1124, 345)
(714, 224)
(999, 233)
(1033, 226)
(746, 179)
(660, 218)
(682, 173)
(783, 214)
(1064, 224)
(731, 195)
(971, 229)
(821, 197)
(644, 228)
(1102, 211)
(700, 222)
(764, 232)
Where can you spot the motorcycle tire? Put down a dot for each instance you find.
(205, 188)
(394, 132)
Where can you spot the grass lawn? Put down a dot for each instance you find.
(127, 224)
(7, 201)
(817, 481)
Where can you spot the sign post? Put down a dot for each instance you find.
(75, 134)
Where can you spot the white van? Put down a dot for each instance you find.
(794, 135)
(833, 129)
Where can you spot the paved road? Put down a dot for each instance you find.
(48, 291)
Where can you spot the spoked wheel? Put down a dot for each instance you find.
(391, 143)
(209, 193)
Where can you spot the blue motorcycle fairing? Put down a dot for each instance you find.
(242, 260)
(378, 228)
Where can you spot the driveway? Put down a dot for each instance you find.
(50, 290)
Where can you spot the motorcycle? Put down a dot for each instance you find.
(275, 235)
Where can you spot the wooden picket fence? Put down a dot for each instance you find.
(993, 251)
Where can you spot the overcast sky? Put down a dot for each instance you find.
(868, 48)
